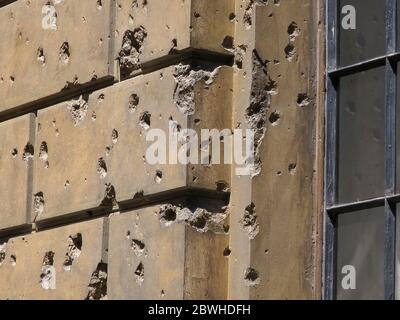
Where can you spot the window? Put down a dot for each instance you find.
(362, 191)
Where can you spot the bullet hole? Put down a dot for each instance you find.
(12, 80)
(162, 294)
(139, 195)
(277, 2)
(158, 177)
(135, 4)
(272, 87)
(249, 221)
(13, 260)
(43, 152)
(94, 116)
(222, 186)
(73, 251)
(200, 219)
(251, 277)
(14, 153)
(133, 102)
(101, 98)
(145, 120)
(131, 20)
(3, 252)
(128, 235)
(256, 113)
(66, 184)
(109, 196)
(48, 275)
(274, 118)
(303, 100)
(139, 274)
(174, 47)
(196, 15)
(102, 168)
(167, 215)
(197, 121)
(138, 247)
(41, 57)
(78, 109)
(28, 152)
(99, 4)
(290, 52)
(227, 43)
(144, 3)
(227, 252)
(38, 204)
(232, 17)
(292, 168)
(131, 49)
(240, 52)
(248, 14)
(114, 136)
(293, 31)
(186, 77)
(97, 288)
(64, 53)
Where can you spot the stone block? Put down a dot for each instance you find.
(54, 264)
(148, 30)
(16, 152)
(91, 150)
(48, 46)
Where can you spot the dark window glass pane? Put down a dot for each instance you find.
(398, 129)
(368, 39)
(361, 136)
(361, 254)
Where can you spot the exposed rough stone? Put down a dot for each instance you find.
(201, 219)
(38, 204)
(251, 277)
(249, 222)
(48, 275)
(3, 252)
(256, 113)
(78, 109)
(248, 14)
(73, 252)
(132, 47)
(139, 274)
(186, 77)
(97, 288)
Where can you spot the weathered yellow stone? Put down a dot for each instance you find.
(22, 272)
(44, 47)
(16, 153)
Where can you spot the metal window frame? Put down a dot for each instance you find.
(389, 200)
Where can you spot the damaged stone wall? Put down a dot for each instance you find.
(86, 216)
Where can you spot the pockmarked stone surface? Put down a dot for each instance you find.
(55, 264)
(92, 150)
(146, 259)
(16, 155)
(147, 30)
(47, 46)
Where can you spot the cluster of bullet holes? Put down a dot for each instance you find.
(186, 77)
(249, 222)
(251, 277)
(256, 113)
(97, 288)
(200, 219)
(249, 11)
(73, 252)
(48, 274)
(290, 49)
(131, 49)
(135, 4)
